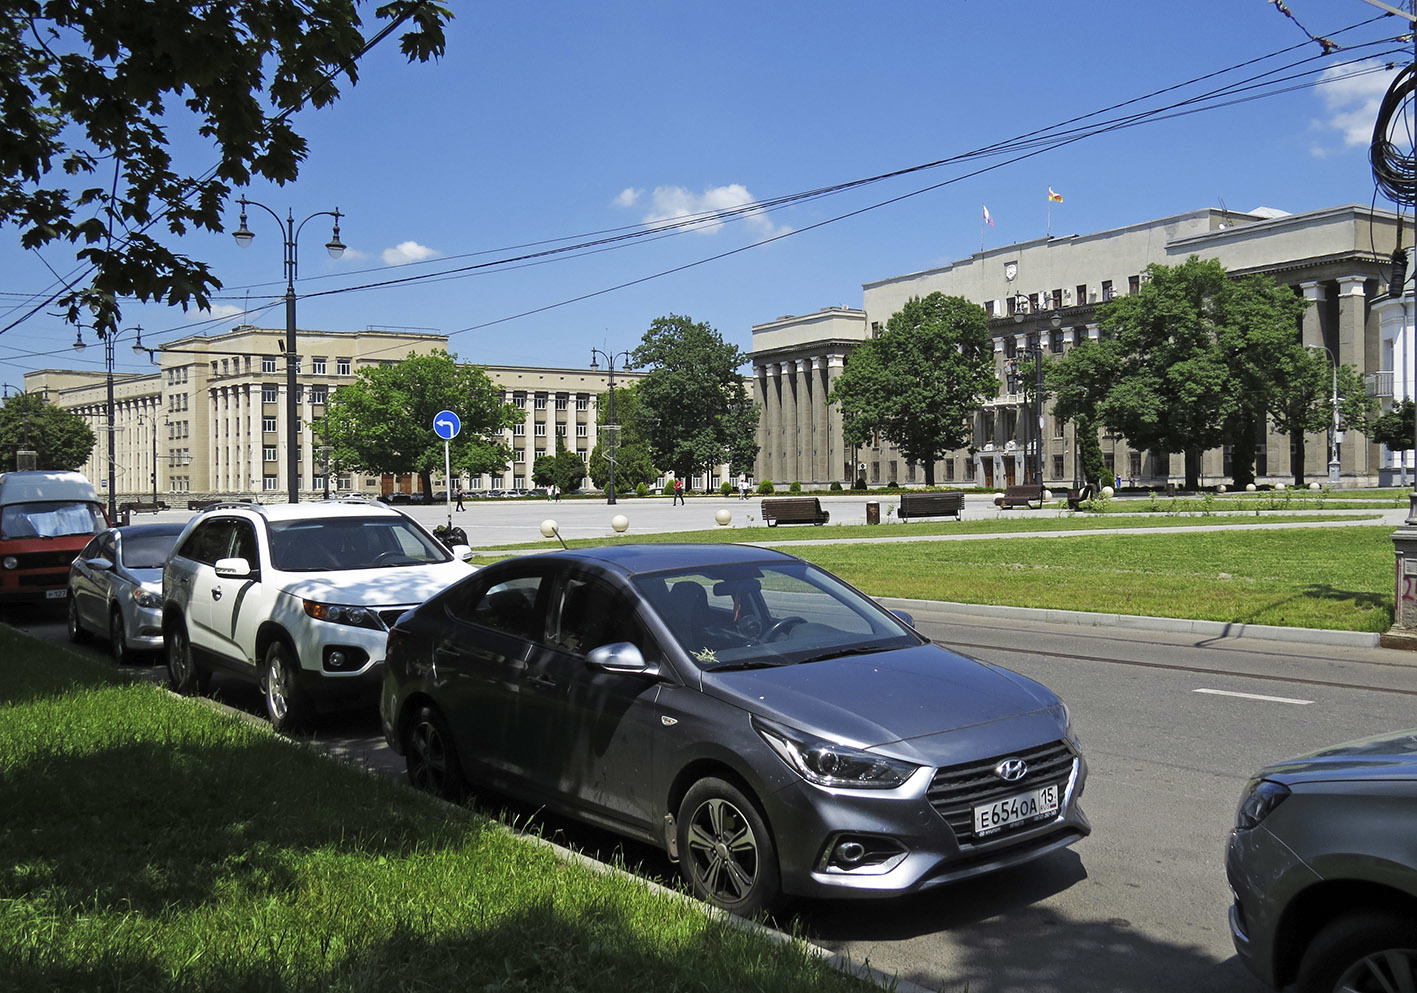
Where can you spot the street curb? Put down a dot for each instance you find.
(1209, 629)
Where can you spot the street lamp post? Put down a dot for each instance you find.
(290, 231)
(1334, 465)
(610, 425)
(110, 341)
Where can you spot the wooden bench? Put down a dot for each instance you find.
(793, 510)
(931, 505)
(1079, 496)
(1022, 495)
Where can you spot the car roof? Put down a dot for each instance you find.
(633, 559)
(313, 510)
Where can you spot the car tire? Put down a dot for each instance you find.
(118, 637)
(184, 672)
(287, 705)
(431, 756)
(1361, 952)
(77, 634)
(726, 852)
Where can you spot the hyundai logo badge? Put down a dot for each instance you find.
(1011, 770)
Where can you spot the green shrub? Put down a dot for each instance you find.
(641, 490)
(726, 488)
(796, 487)
(860, 484)
(835, 487)
(765, 488)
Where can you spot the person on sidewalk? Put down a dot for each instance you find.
(459, 495)
(678, 493)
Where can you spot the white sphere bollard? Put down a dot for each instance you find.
(549, 528)
(619, 522)
(1281, 486)
(1249, 487)
(1220, 488)
(1047, 495)
(1108, 492)
(1315, 486)
(724, 517)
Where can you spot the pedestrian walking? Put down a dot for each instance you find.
(743, 488)
(555, 492)
(459, 493)
(678, 493)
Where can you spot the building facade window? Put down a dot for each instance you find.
(342, 367)
(317, 366)
(270, 394)
(268, 424)
(268, 363)
(268, 452)
(268, 483)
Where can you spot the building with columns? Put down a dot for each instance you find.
(1042, 295)
(210, 421)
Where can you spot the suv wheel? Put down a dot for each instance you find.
(725, 850)
(1364, 952)
(183, 672)
(287, 706)
(431, 757)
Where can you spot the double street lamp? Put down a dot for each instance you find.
(1335, 437)
(1035, 348)
(290, 231)
(110, 341)
(610, 426)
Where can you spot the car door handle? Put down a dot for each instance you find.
(542, 681)
(216, 592)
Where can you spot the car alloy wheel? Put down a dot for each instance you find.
(77, 634)
(431, 757)
(286, 704)
(183, 672)
(725, 849)
(1365, 952)
(118, 637)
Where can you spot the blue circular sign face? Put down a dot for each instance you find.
(446, 425)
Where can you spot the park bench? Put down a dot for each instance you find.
(931, 505)
(793, 510)
(1022, 494)
(137, 507)
(1079, 496)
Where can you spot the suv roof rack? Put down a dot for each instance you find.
(234, 505)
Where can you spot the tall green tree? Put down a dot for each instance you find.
(564, 469)
(1396, 427)
(919, 383)
(1079, 382)
(696, 410)
(383, 421)
(99, 98)
(61, 440)
(633, 464)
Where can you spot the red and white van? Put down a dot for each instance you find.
(46, 518)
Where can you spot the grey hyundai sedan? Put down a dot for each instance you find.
(777, 732)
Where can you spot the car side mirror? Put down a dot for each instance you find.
(463, 553)
(901, 615)
(232, 568)
(622, 657)
(100, 563)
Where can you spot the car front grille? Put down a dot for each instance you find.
(956, 790)
(46, 560)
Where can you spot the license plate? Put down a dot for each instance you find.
(1019, 809)
(55, 594)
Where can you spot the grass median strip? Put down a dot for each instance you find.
(155, 844)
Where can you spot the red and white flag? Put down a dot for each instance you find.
(987, 219)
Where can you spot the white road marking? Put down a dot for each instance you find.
(1258, 696)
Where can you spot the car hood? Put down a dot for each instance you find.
(1383, 756)
(381, 587)
(908, 694)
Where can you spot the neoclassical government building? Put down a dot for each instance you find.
(1044, 294)
(210, 419)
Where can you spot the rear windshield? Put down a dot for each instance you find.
(147, 551)
(51, 519)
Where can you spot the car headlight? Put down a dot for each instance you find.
(356, 617)
(829, 763)
(1258, 801)
(11, 562)
(146, 598)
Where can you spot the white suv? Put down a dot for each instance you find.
(298, 598)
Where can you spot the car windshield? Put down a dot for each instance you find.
(147, 551)
(51, 519)
(351, 543)
(741, 616)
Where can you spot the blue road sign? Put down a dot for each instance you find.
(446, 425)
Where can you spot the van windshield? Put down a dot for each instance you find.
(50, 519)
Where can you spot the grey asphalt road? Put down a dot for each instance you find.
(1172, 724)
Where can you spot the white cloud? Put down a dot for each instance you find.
(223, 310)
(1351, 95)
(704, 211)
(408, 251)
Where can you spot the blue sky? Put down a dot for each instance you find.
(554, 123)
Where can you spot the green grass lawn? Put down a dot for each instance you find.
(1339, 578)
(153, 844)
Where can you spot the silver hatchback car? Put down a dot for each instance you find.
(115, 588)
(1323, 866)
